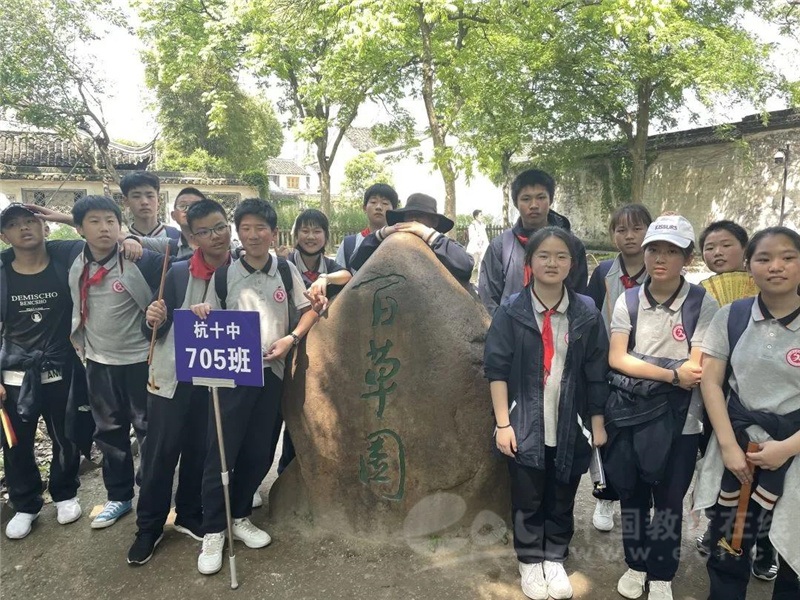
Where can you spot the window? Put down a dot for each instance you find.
(61, 197)
(276, 179)
(228, 201)
(293, 183)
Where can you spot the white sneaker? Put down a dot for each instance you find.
(534, 585)
(660, 590)
(210, 559)
(258, 502)
(603, 519)
(20, 525)
(631, 584)
(558, 585)
(252, 536)
(68, 511)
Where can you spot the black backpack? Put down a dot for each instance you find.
(221, 288)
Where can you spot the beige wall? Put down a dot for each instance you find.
(703, 183)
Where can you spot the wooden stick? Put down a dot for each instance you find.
(164, 269)
(744, 501)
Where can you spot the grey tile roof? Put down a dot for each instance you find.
(361, 138)
(284, 166)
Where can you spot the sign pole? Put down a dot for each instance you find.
(225, 482)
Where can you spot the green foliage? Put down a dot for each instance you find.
(63, 232)
(346, 216)
(362, 171)
(259, 180)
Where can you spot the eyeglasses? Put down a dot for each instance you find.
(204, 234)
(562, 258)
(182, 207)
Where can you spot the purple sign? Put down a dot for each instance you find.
(227, 345)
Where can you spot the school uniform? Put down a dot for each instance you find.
(502, 272)
(109, 296)
(37, 363)
(550, 415)
(180, 248)
(159, 231)
(449, 252)
(348, 247)
(652, 544)
(764, 371)
(250, 415)
(177, 413)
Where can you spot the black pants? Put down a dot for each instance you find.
(542, 510)
(118, 396)
(609, 493)
(22, 474)
(176, 427)
(653, 544)
(250, 416)
(728, 574)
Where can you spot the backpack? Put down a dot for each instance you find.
(221, 288)
(349, 243)
(690, 311)
(738, 319)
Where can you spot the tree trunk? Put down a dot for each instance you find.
(325, 189)
(440, 148)
(505, 166)
(637, 145)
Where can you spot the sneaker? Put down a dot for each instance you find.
(534, 585)
(765, 568)
(603, 519)
(631, 584)
(252, 536)
(68, 511)
(143, 548)
(20, 525)
(191, 527)
(703, 542)
(258, 501)
(111, 512)
(660, 590)
(210, 559)
(558, 585)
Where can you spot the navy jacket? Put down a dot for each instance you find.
(514, 353)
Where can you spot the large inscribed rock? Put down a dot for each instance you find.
(387, 406)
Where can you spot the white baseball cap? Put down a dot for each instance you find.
(674, 229)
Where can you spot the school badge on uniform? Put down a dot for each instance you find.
(118, 287)
(279, 295)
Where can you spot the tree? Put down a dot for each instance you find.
(191, 65)
(362, 171)
(46, 76)
(622, 65)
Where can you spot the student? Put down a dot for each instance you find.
(609, 280)
(670, 321)
(250, 415)
(723, 244)
(140, 193)
(183, 248)
(109, 296)
(419, 217)
(379, 199)
(477, 242)
(177, 413)
(753, 347)
(35, 314)
(502, 274)
(546, 357)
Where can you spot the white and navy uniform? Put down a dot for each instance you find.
(765, 375)
(605, 290)
(106, 331)
(159, 231)
(345, 260)
(660, 333)
(250, 416)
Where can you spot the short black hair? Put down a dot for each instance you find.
(202, 209)
(139, 179)
(532, 177)
(770, 231)
(192, 191)
(547, 232)
(87, 203)
(736, 230)
(258, 208)
(476, 212)
(381, 189)
(313, 218)
(633, 214)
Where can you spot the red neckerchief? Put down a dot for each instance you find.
(199, 268)
(527, 270)
(365, 232)
(311, 275)
(86, 283)
(629, 282)
(547, 336)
